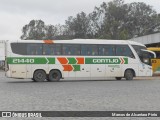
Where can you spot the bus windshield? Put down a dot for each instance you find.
(144, 54)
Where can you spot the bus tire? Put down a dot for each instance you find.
(39, 76)
(129, 75)
(47, 77)
(33, 80)
(118, 78)
(54, 75)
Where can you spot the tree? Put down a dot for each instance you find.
(112, 20)
(51, 32)
(34, 30)
(140, 19)
(78, 26)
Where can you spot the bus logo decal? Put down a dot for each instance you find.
(106, 60)
(62, 60)
(122, 61)
(71, 67)
(71, 60)
(31, 60)
(70, 63)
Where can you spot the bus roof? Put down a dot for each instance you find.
(80, 41)
(136, 43)
(154, 48)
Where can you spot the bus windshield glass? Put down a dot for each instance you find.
(143, 54)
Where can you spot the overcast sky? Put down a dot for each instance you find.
(14, 14)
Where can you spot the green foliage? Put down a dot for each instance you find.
(112, 20)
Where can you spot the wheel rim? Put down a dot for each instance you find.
(130, 74)
(55, 76)
(40, 76)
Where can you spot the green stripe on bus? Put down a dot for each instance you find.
(126, 60)
(76, 67)
(106, 60)
(30, 60)
(72, 60)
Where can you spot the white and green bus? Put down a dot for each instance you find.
(53, 60)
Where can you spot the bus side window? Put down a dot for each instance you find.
(75, 49)
(94, 50)
(58, 49)
(84, 50)
(124, 50)
(111, 50)
(34, 49)
(46, 49)
(63, 50)
(19, 48)
(106, 50)
(71, 49)
(101, 50)
(90, 50)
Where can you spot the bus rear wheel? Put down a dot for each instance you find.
(54, 76)
(129, 75)
(39, 76)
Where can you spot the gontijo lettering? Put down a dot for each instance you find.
(103, 61)
(106, 60)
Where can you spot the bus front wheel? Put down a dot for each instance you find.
(54, 76)
(39, 76)
(129, 75)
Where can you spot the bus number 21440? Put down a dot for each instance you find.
(23, 61)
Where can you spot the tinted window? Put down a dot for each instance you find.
(106, 50)
(34, 49)
(71, 49)
(124, 50)
(19, 48)
(52, 49)
(138, 48)
(89, 50)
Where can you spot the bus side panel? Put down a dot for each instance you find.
(113, 71)
(18, 70)
(85, 72)
(98, 71)
(145, 70)
(14, 70)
